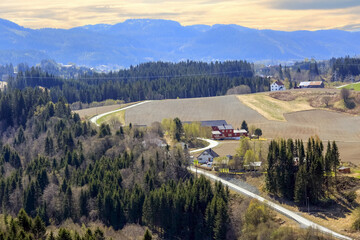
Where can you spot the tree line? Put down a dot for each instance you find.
(147, 81)
(300, 174)
(344, 67)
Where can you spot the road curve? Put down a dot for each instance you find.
(301, 220)
(212, 144)
(95, 118)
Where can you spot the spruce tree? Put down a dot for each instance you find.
(244, 126)
(147, 235)
(335, 158)
(39, 228)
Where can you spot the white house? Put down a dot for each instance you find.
(207, 156)
(277, 86)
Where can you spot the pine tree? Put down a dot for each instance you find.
(335, 158)
(98, 234)
(147, 235)
(83, 203)
(64, 235)
(179, 131)
(30, 198)
(244, 126)
(24, 220)
(39, 228)
(300, 191)
(68, 204)
(51, 236)
(221, 221)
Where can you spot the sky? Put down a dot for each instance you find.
(286, 15)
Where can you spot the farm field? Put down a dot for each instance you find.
(353, 86)
(328, 125)
(117, 116)
(90, 112)
(271, 108)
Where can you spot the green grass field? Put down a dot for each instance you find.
(118, 116)
(353, 86)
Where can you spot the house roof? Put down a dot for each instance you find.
(210, 152)
(223, 127)
(255, 164)
(343, 168)
(279, 83)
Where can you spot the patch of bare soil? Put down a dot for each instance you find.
(328, 99)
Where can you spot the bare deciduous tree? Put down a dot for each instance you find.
(241, 89)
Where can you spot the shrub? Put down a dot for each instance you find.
(350, 196)
(356, 223)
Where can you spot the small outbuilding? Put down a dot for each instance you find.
(343, 169)
(312, 84)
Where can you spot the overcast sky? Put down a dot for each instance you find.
(285, 15)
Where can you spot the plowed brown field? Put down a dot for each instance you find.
(328, 125)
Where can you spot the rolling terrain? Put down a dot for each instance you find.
(328, 125)
(141, 40)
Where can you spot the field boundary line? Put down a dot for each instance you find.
(95, 118)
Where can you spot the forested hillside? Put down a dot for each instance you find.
(55, 168)
(147, 81)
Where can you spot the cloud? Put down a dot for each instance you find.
(351, 27)
(313, 4)
(260, 14)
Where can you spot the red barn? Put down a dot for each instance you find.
(222, 130)
(226, 131)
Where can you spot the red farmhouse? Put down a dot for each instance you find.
(226, 131)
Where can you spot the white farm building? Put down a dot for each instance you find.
(277, 86)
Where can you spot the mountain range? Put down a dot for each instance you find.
(142, 40)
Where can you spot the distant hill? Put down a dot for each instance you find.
(137, 41)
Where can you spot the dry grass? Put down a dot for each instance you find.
(117, 116)
(274, 109)
(90, 112)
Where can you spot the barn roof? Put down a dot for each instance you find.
(240, 131)
(310, 83)
(223, 127)
(315, 83)
(343, 168)
(213, 123)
